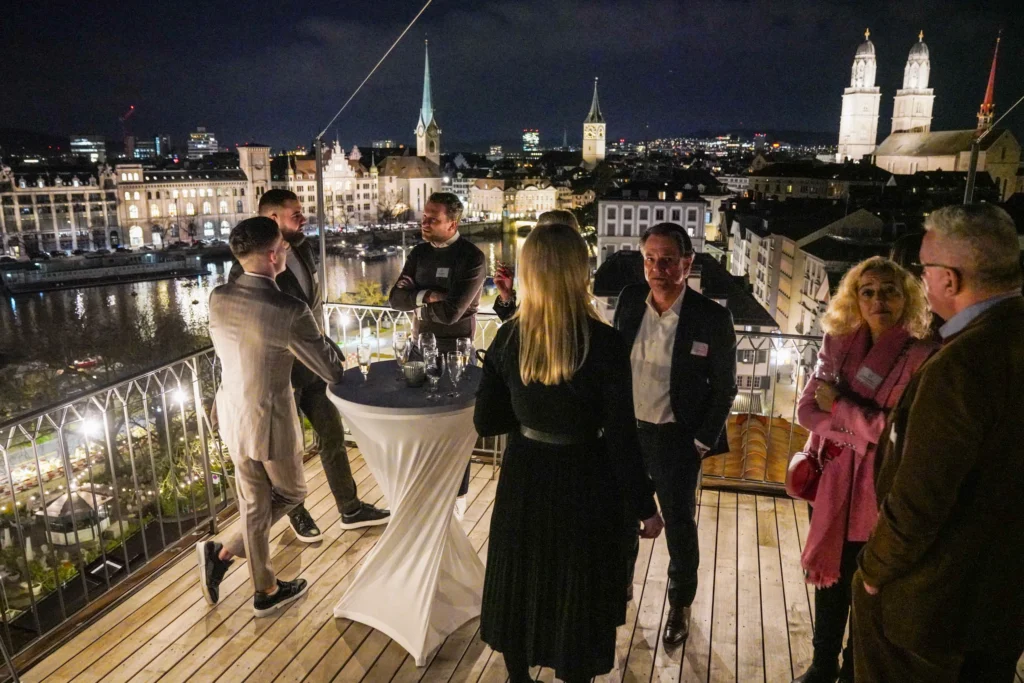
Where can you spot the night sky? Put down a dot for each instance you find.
(276, 72)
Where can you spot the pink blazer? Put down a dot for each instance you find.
(854, 426)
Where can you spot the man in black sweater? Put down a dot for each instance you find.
(442, 280)
(300, 281)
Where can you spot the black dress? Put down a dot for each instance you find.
(555, 587)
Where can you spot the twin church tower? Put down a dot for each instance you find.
(912, 110)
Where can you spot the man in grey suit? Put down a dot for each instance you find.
(258, 332)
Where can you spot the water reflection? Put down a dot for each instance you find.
(57, 345)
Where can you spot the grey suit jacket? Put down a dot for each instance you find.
(258, 332)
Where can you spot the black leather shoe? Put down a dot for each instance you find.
(211, 569)
(819, 673)
(366, 515)
(287, 592)
(303, 525)
(677, 626)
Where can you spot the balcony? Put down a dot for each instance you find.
(101, 499)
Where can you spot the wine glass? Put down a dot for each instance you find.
(427, 343)
(456, 364)
(464, 346)
(401, 345)
(434, 370)
(363, 355)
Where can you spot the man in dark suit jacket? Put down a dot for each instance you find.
(939, 595)
(683, 353)
(300, 281)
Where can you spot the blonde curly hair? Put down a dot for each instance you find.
(843, 314)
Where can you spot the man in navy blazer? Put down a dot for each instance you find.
(683, 355)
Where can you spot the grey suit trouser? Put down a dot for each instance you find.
(266, 491)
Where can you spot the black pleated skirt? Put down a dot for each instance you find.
(555, 588)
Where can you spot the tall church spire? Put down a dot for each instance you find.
(428, 132)
(427, 108)
(593, 133)
(595, 109)
(987, 112)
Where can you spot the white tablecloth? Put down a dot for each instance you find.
(422, 580)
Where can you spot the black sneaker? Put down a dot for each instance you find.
(303, 525)
(211, 569)
(366, 515)
(287, 592)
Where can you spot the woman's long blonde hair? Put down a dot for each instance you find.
(843, 314)
(555, 306)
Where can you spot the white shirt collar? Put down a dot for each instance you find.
(674, 309)
(452, 240)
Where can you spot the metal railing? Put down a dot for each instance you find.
(94, 489)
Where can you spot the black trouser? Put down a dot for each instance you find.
(464, 486)
(674, 465)
(832, 612)
(312, 400)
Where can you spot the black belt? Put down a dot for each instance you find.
(559, 439)
(640, 424)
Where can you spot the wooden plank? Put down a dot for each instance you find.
(803, 526)
(723, 627)
(120, 627)
(798, 612)
(749, 644)
(357, 665)
(777, 665)
(697, 655)
(647, 633)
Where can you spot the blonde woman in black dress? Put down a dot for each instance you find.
(557, 378)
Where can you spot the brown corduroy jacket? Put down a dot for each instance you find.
(948, 550)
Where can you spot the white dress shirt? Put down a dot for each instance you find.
(651, 360)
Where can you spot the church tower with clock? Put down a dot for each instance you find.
(593, 134)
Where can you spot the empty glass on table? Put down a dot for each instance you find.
(456, 364)
(402, 346)
(363, 354)
(435, 370)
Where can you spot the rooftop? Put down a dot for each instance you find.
(822, 171)
(935, 143)
(845, 250)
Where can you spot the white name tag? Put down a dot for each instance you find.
(699, 349)
(442, 272)
(869, 377)
(892, 435)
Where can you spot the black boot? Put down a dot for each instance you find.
(846, 670)
(819, 672)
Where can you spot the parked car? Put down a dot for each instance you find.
(8, 259)
(101, 252)
(78, 252)
(123, 250)
(58, 254)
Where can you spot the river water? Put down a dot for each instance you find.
(123, 329)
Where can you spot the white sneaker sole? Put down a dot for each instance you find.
(201, 560)
(284, 603)
(361, 525)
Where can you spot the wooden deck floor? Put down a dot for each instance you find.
(751, 619)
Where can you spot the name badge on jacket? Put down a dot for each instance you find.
(442, 273)
(699, 349)
(869, 377)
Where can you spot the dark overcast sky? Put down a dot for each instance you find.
(277, 71)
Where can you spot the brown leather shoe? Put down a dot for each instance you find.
(677, 626)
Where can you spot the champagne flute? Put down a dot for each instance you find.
(401, 345)
(456, 365)
(363, 355)
(435, 370)
(464, 346)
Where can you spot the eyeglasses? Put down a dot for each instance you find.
(921, 266)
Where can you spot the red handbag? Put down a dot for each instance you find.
(802, 476)
(804, 471)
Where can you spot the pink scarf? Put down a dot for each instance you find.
(864, 370)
